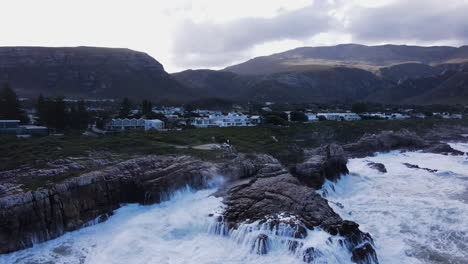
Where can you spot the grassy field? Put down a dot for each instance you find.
(285, 143)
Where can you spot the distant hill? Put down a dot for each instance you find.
(347, 73)
(87, 72)
(349, 55)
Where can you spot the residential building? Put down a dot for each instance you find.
(231, 119)
(154, 124)
(9, 127)
(312, 117)
(125, 123)
(340, 116)
(12, 127)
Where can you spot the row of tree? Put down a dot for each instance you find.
(146, 110)
(10, 106)
(56, 113)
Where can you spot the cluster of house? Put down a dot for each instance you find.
(12, 127)
(220, 120)
(333, 116)
(125, 123)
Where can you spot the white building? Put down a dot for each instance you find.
(312, 117)
(125, 123)
(154, 124)
(392, 116)
(340, 116)
(231, 119)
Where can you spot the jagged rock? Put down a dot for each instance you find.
(385, 141)
(310, 254)
(261, 245)
(412, 166)
(377, 166)
(238, 168)
(276, 197)
(442, 148)
(325, 163)
(364, 254)
(48, 213)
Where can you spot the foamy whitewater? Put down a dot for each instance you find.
(413, 215)
(177, 231)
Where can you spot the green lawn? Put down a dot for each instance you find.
(288, 146)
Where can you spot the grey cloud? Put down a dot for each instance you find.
(210, 44)
(421, 21)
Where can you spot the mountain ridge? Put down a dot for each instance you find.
(86, 72)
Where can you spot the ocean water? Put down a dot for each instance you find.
(414, 216)
(180, 230)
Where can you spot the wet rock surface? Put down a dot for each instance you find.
(412, 166)
(389, 140)
(324, 163)
(48, 213)
(274, 196)
(377, 166)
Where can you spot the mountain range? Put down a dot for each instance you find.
(396, 74)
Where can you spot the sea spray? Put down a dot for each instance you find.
(414, 215)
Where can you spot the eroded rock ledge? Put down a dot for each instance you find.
(48, 213)
(273, 191)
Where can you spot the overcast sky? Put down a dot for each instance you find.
(184, 34)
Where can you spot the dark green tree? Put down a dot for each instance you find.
(299, 116)
(82, 115)
(60, 113)
(41, 110)
(125, 107)
(146, 107)
(359, 108)
(10, 107)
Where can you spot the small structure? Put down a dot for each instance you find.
(154, 124)
(12, 127)
(9, 127)
(34, 130)
(125, 123)
(340, 116)
(231, 119)
(312, 117)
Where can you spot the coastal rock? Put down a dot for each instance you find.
(385, 141)
(412, 166)
(377, 166)
(442, 148)
(324, 163)
(48, 213)
(276, 197)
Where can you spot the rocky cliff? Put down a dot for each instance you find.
(36, 216)
(86, 72)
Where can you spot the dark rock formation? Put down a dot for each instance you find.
(364, 254)
(276, 197)
(86, 72)
(261, 245)
(412, 166)
(325, 163)
(48, 213)
(310, 254)
(442, 148)
(377, 166)
(385, 141)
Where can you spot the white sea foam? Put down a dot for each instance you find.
(414, 216)
(176, 231)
